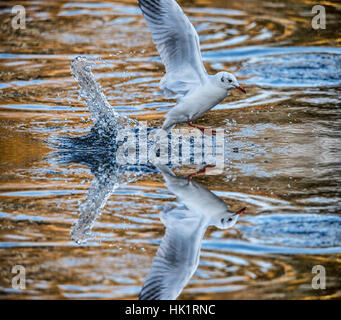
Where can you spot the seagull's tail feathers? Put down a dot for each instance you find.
(165, 170)
(168, 124)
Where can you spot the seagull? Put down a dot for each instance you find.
(178, 255)
(186, 77)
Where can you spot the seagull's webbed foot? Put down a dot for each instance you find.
(202, 129)
(201, 171)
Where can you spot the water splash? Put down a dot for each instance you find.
(104, 116)
(107, 179)
(108, 173)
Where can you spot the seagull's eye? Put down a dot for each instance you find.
(230, 80)
(230, 219)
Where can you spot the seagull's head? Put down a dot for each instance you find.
(228, 81)
(228, 219)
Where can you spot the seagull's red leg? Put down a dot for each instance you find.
(202, 129)
(201, 171)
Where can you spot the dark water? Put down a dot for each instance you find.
(86, 227)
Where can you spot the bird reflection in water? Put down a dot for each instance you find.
(186, 222)
(178, 255)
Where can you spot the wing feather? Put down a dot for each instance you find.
(177, 258)
(178, 44)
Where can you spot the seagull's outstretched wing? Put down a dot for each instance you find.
(177, 258)
(178, 45)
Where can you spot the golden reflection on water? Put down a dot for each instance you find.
(284, 140)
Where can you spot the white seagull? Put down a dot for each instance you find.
(186, 77)
(178, 256)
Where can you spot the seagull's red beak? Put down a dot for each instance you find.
(241, 89)
(241, 211)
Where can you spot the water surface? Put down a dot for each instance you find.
(85, 227)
